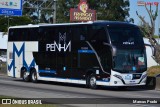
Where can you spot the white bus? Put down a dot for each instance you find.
(95, 53)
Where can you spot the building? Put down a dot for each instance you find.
(150, 60)
(3, 43)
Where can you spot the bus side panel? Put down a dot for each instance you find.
(19, 55)
(29, 60)
(10, 59)
(16, 54)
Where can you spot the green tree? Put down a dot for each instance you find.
(148, 30)
(5, 22)
(115, 10)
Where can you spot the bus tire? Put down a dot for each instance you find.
(25, 75)
(34, 76)
(87, 82)
(92, 81)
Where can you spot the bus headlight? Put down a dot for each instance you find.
(144, 76)
(118, 76)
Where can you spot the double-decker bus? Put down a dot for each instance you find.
(104, 53)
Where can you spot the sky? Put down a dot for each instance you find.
(142, 11)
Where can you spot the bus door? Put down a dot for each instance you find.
(83, 57)
(98, 36)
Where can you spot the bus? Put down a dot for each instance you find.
(107, 53)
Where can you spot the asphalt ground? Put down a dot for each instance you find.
(78, 95)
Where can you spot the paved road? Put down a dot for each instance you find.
(93, 98)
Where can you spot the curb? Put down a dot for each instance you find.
(157, 83)
(153, 83)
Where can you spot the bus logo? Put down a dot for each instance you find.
(62, 45)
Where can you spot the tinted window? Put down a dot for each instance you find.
(97, 33)
(125, 36)
(130, 60)
(79, 33)
(12, 35)
(34, 34)
(63, 34)
(23, 34)
(55, 33)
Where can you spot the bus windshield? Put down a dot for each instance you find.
(122, 36)
(130, 61)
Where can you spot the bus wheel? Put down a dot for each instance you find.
(34, 76)
(92, 81)
(25, 75)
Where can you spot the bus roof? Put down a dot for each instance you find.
(108, 23)
(114, 23)
(39, 25)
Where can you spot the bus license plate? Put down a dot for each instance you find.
(128, 77)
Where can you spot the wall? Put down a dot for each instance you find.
(150, 61)
(3, 41)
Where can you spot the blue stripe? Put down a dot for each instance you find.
(47, 71)
(103, 81)
(85, 51)
(71, 78)
(61, 78)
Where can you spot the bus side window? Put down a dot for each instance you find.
(41, 34)
(21, 33)
(14, 35)
(79, 33)
(97, 34)
(11, 35)
(52, 33)
(63, 34)
(33, 34)
(17, 36)
(24, 34)
(49, 34)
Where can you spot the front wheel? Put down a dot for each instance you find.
(34, 76)
(92, 81)
(25, 75)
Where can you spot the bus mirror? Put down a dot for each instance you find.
(114, 50)
(152, 48)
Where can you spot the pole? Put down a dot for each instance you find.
(55, 10)
(159, 23)
(8, 21)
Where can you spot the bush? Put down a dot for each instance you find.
(3, 68)
(153, 71)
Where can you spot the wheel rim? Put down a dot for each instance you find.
(25, 75)
(92, 81)
(34, 77)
